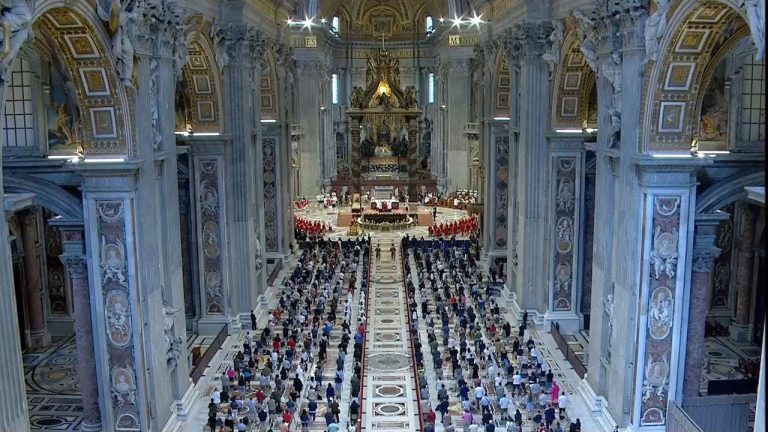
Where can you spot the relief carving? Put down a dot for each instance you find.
(123, 385)
(656, 380)
(113, 262)
(664, 254)
(660, 312)
(172, 341)
(118, 318)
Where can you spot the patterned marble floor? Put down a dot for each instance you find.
(389, 402)
(53, 393)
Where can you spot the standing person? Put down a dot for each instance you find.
(378, 252)
(253, 321)
(392, 251)
(434, 214)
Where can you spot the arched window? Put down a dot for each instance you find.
(335, 24)
(18, 117)
(429, 25)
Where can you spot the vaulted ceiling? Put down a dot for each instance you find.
(395, 19)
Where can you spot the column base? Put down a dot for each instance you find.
(40, 339)
(210, 326)
(568, 321)
(740, 332)
(597, 405)
(91, 427)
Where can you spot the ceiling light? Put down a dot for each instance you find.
(476, 20)
(61, 156)
(207, 134)
(441, 19)
(307, 23)
(502, 118)
(268, 121)
(104, 160)
(590, 130)
(568, 130)
(322, 20)
(289, 21)
(672, 155)
(457, 21)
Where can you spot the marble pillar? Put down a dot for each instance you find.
(73, 258)
(565, 222)
(666, 259)
(117, 306)
(13, 397)
(313, 70)
(704, 254)
(524, 45)
(413, 158)
(457, 93)
(245, 47)
(210, 203)
(496, 219)
(745, 244)
(33, 282)
(357, 169)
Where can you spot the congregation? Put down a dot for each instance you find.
(497, 381)
(276, 382)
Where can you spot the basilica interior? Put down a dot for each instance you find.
(383, 215)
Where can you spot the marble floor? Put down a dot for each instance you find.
(53, 392)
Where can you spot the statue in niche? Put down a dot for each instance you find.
(16, 17)
(63, 110)
(426, 144)
(608, 308)
(713, 122)
(552, 55)
(182, 105)
(400, 148)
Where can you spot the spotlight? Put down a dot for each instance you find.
(457, 21)
(476, 20)
(322, 20)
(442, 20)
(307, 23)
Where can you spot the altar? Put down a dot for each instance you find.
(385, 205)
(385, 132)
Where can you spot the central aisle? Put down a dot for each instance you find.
(390, 400)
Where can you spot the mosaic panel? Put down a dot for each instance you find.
(271, 207)
(209, 231)
(112, 217)
(57, 287)
(389, 409)
(389, 390)
(501, 169)
(660, 308)
(721, 272)
(565, 215)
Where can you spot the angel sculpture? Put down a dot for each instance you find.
(16, 20)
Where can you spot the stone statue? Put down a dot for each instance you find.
(608, 308)
(409, 98)
(755, 11)
(171, 339)
(356, 100)
(122, 46)
(552, 54)
(586, 26)
(654, 29)
(16, 17)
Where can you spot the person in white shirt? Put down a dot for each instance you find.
(479, 393)
(562, 404)
(516, 381)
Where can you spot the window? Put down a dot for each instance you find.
(431, 88)
(335, 25)
(335, 89)
(429, 24)
(752, 101)
(18, 119)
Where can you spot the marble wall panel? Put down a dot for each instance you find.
(271, 209)
(119, 300)
(565, 233)
(657, 367)
(210, 220)
(501, 175)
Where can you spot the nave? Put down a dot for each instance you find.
(387, 378)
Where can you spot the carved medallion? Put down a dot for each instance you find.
(118, 318)
(660, 312)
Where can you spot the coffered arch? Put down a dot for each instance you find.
(75, 38)
(573, 88)
(698, 35)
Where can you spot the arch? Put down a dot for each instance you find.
(198, 94)
(502, 87)
(268, 87)
(727, 191)
(571, 86)
(84, 47)
(698, 31)
(47, 194)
